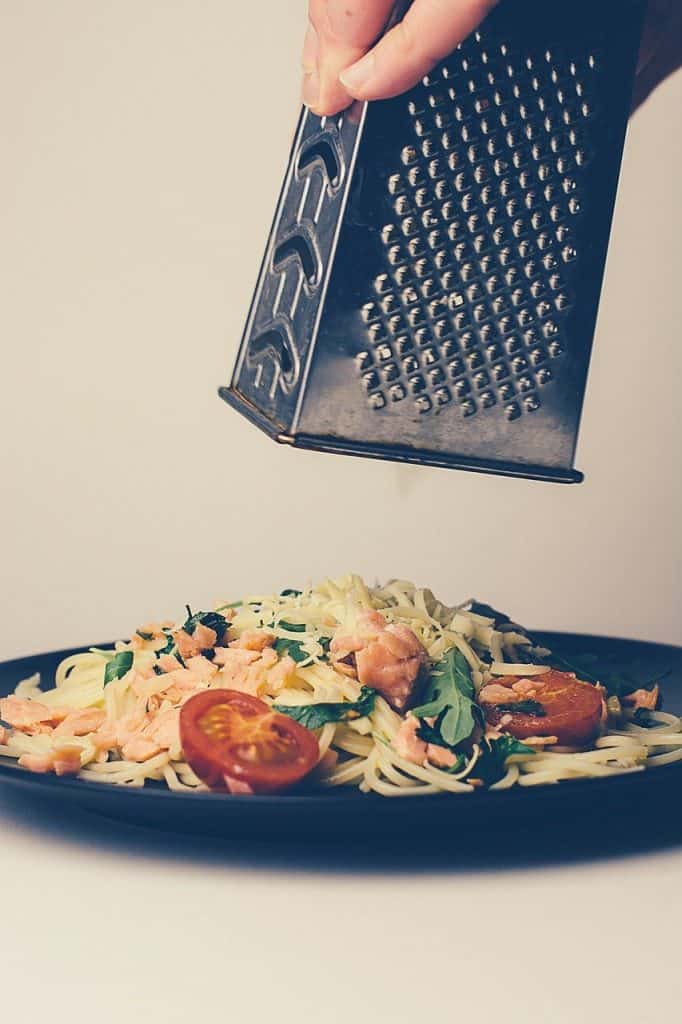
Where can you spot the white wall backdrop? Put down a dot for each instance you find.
(143, 146)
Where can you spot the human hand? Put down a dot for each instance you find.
(342, 60)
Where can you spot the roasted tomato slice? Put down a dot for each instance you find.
(235, 741)
(572, 709)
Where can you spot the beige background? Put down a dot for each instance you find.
(143, 144)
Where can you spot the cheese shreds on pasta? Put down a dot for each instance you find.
(112, 715)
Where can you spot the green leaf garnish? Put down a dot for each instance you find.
(226, 607)
(314, 716)
(449, 698)
(211, 620)
(117, 667)
(492, 762)
(169, 647)
(290, 593)
(292, 627)
(144, 636)
(523, 707)
(292, 649)
(642, 716)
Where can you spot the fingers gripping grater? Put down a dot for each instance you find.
(430, 286)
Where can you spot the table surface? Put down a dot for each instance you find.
(106, 921)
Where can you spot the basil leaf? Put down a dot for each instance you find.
(523, 707)
(449, 695)
(117, 667)
(211, 620)
(492, 762)
(314, 716)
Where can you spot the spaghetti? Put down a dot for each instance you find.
(112, 715)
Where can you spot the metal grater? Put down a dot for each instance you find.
(431, 282)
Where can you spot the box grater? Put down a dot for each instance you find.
(430, 286)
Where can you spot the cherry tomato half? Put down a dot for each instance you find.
(234, 740)
(572, 710)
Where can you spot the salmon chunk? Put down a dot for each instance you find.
(80, 723)
(202, 639)
(62, 761)
(30, 715)
(386, 657)
(647, 699)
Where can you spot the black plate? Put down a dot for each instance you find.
(353, 815)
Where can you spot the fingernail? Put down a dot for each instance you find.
(311, 49)
(311, 89)
(357, 76)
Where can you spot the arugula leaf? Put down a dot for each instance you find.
(431, 733)
(491, 765)
(143, 635)
(285, 645)
(291, 648)
(488, 612)
(457, 766)
(211, 620)
(449, 695)
(314, 716)
(117, 667)
(642, 716)
(169, 648)
(523, 707)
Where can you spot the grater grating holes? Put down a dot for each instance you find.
(513, 156)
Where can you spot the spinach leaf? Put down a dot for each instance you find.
(449, 698)
(523, 707)
(491, 765)
(314, 716)
(117, 667)
(211, 620)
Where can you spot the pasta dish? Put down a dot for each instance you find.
(382, 688)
